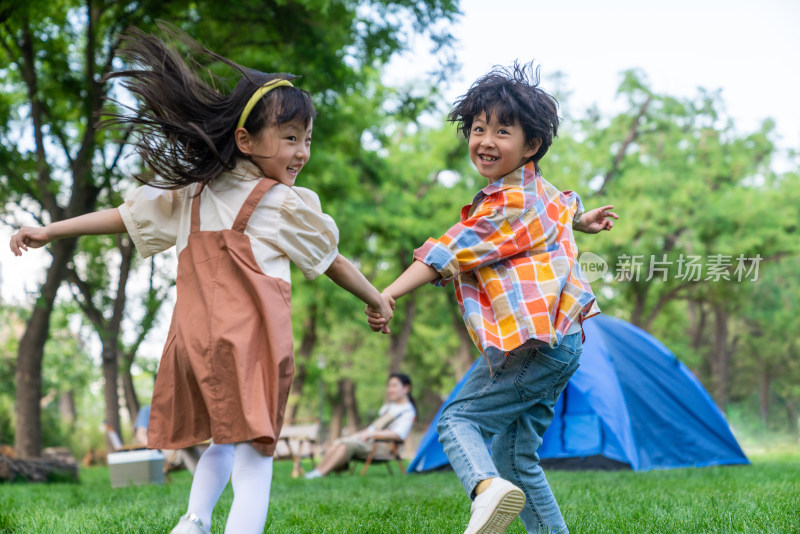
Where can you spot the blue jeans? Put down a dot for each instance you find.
(514, 404)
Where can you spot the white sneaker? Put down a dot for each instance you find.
(190, 524)
(496, 508)
(313, 474)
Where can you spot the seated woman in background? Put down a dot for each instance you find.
(394, 423)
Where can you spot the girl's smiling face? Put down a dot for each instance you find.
(280, 150)
(498, 149)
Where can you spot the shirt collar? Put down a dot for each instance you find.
(246, 169)
(516, 178)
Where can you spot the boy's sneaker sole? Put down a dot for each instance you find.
(499, 512)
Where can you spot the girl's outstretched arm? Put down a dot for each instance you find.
(345, 275)
(96, 223)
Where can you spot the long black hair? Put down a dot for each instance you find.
(406, 381)
(185, 125)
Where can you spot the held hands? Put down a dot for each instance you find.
(28, 236)
(378, 318)
(596, 220)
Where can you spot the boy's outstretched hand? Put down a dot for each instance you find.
(596, 220)
(28, 236)
(379, 319)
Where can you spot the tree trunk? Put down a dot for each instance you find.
(302, 361)
(434, 401)
(28, 442)
(398, 345)
(337, 414)
(111, 392)
(83, 197)
(128, 387)
(699, 323)
(152, 304)
(763, 395)
(720, 362)
(347, 391)
(792, 413)
(66, 407)
(37, 469)
(466, 352)
(296, 393)
(663, 299)
(109, 330)
(639, 303)
(697, 318)
(633, 133)
(111, 352)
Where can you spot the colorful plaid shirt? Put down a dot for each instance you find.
(513, 259)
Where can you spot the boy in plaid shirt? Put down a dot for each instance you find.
(513, 260)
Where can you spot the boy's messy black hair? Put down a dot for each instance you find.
(513, 94)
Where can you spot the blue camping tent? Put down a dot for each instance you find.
(631, 404)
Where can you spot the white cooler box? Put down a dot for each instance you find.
(136, 467)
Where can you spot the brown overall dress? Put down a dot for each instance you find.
(228, 361)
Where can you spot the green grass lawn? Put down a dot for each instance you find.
(763, 497)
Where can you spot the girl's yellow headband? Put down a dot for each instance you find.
(261, 91)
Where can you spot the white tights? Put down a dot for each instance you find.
(251, 478)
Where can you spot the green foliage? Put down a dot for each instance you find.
(687, 184)
(69, 370)
(6, 420)
(757, 435)
(763, 335)
(10, 327)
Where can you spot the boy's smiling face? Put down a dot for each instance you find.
(498, 149)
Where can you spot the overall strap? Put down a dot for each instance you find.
(250, 204)
(195, 226)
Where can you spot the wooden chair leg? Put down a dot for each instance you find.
(370, 456)
(366, 466)
(396, 454)
(297, 470)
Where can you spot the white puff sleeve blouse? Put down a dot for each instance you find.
(288, 225)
